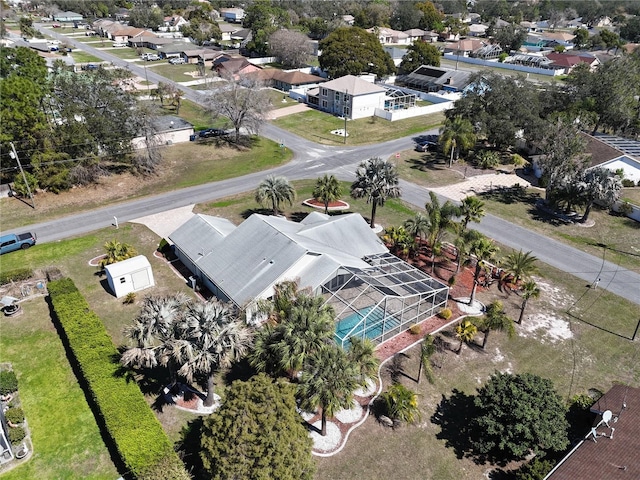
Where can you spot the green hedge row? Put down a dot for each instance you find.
(16, 275)
(143, 446)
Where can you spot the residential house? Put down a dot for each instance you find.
(388, 36)
(67, 17)
(285, 81)
(124, 34)
(615, 153)
(558, 38)
(373, 293)
(227, 65)
(568, 61)
(477, 30)
(168, 129)
(464, 48)
(416, 34)
(151, 41)
(173, 23)
(233, 15)
(348, 96)
(395, 53)
(610, 449)
(489, 51)
(433, 79)
(228, 29)
(348, 19)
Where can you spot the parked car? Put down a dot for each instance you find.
(176, 61)
(119, 44)
(56, 25)
(151, 57)
(12, 242)
(212, 132)
(426, 146)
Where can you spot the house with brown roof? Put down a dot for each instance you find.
(388, 36)
(227, 65)
(569, 61)
(285, 81)
(611, 450)
(464, 47)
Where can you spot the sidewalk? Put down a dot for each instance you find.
(479, 184)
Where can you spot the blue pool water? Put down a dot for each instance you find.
(374, 324)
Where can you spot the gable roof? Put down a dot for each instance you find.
(262, 250)
(353, 85)
(609, 456)
(127, 266)
(599, 151)
(292, 78)
(199, 235)
(570, 60)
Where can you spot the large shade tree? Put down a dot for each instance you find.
(211, 337)
(376, 181)
(599, 185)
(328, 381)
(518, 415)
(257, 434)
(275, 191)
(419, 53)
(351, 51)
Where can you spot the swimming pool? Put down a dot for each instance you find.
(373, 327)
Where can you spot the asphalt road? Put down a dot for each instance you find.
(312, 160)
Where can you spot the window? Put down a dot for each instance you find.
(6, 244)
(324, 92)
(337, 96)
(347, 111)
(122, 280)
(324, 104)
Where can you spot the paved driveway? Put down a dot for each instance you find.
(165, 223)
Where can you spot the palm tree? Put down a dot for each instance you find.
(530, 289)
(376, 180)
(399, 241)
(484, 250)
(465, 332)
(440, 220)
(471, 210)
(417, 226)
(455, 135)
(116, 252)
(210, 338)
(327, 190)
(362, 354)
(285, 295)
(427, 349)
(309, 327)
(401, 403)
(463, 243)
(520, 265)
(153, 331)
(495, 318)
(275, 191)
(328, 380)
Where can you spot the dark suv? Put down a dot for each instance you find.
(211, 132)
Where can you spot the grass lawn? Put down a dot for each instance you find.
(176, 73)
(317, 126)
(122, 52)
(66, 440)
(280, 99)
(631, 195)
(185, 165)
(619, 235)
(428, 169)
(83, 57)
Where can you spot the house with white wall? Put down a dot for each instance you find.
(348, 96)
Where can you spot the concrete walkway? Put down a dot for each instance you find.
(479, 184)
(165, 223)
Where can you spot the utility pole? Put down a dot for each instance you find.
(13, 154)
(344, 113)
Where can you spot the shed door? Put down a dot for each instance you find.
(140, 279)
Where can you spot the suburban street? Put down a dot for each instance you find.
(312, 160)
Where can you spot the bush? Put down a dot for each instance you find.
(627, 182)
(129, 298)
(16, 434)
(8, 382)
(136, 433)
(518, 160)
(445, 313)
(21, 188)
(14, 415)
(414, 329)
(487, 159)
(16, 275)
(452, 280)
(625, 209)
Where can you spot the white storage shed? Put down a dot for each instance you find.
(129, 275)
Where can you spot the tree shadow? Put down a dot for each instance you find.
(250, 211)
(395, 368)
(240, 370)
(510, 195)
(299, 216)
(188, 447)
(427, 162)
(454, 417)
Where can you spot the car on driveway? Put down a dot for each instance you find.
(212, 132)
(176, 61)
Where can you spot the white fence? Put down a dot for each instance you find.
(635, 213)
(507, 66)
(412, 112)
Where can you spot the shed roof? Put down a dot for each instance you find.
(130, 265)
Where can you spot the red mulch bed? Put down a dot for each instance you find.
(317, 203)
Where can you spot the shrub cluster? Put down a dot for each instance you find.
(14, 415)
(8, 382)
(138, 436)
(16, 275)
(445, 313)
(16, 435)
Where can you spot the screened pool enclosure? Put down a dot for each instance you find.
(382, 301)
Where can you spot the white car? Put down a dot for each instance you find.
(176, 61)
(119, 44)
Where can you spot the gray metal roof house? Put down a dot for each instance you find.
(375, 294)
